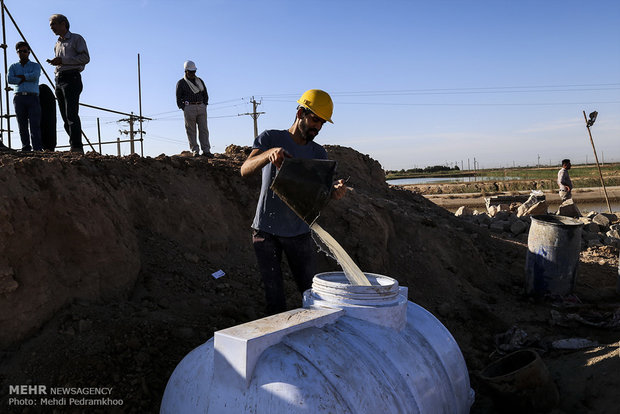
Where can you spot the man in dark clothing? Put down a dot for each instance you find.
(192, 99)
(276, 228)
(25, 75)
(71, 58)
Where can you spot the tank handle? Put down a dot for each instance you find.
(237, 349)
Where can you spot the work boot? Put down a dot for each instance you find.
(207, 154)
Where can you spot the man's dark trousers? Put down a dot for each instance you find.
(300, 253)
(68, 89)
(28, 111)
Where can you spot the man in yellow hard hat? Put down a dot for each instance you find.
(276, 229)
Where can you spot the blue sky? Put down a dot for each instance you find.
(414, 83)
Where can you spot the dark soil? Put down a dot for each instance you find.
(106, 263)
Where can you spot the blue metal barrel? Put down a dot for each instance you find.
(553, 245)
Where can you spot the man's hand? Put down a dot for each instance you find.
(277, 155)
(258, 159)
(339, 190)
(23, 79)
(55, 62)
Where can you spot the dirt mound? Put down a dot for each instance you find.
(106, 262)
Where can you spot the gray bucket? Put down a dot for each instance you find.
(305, 185)
(551, 263)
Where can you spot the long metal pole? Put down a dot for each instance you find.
(99, 136)
(597, 164)
(7, 88)
(140, 108)
(132, 148)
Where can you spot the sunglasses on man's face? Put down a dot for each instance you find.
(23, 51)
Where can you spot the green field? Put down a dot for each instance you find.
(543, 173)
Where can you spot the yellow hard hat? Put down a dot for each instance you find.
(319, 102)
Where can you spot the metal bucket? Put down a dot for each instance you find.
(521, 383)
(551, 263)
(305, 185)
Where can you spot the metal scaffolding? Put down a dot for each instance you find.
(5, 110)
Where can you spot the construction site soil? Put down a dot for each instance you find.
(106, 276)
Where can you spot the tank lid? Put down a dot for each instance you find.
(384, 302)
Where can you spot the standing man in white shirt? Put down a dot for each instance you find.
(192, 99)
(564, 181)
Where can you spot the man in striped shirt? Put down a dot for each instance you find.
(192, 99)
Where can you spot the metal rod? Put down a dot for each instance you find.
(6, 71)
(99, 135)
(597, 164)
(24, 39)
(140, 108)
(109, 110)
(1, 118)
(52, 84)
(132, 147)
(43, 68)
(118, 140)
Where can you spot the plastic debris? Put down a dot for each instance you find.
(218, 274)
(573, 343)
(514, 339)
(608, 320)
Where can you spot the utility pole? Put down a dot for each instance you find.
(132, 132)
(254, 115)
(538, 163)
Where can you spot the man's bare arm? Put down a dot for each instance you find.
(258, 159)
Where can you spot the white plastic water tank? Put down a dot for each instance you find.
(350, 349)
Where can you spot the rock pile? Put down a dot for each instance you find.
(513, 221)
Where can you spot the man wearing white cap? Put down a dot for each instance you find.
(192, 99)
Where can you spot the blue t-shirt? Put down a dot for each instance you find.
(272, 214)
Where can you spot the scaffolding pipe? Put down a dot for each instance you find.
(52, 84)
(597, 164)
(99, 135)
(140, 108)
(7, 88)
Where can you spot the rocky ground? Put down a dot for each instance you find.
(106, 263)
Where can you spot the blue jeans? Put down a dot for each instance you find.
(68, 89)
(28, 111)
(300, 253)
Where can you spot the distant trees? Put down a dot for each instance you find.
(432, 169)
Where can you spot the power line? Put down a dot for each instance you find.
(489, 89)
